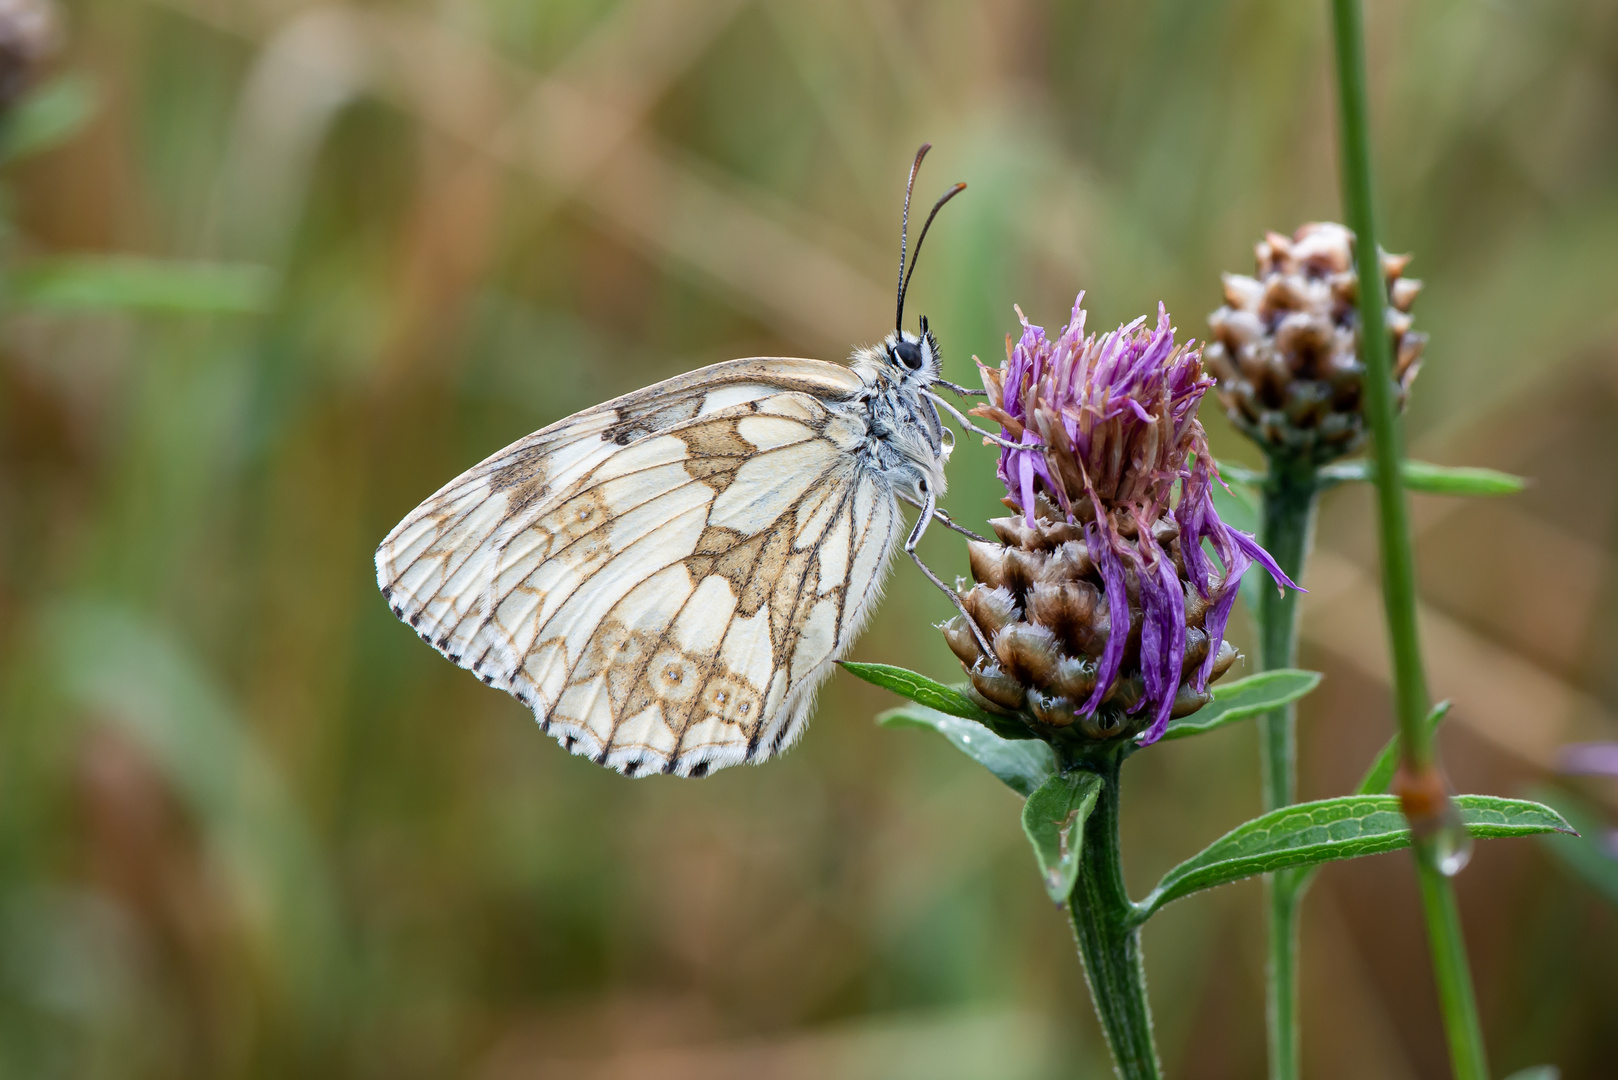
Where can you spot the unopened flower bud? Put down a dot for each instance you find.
(1285, 346)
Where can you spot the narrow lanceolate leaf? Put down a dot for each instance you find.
(130, 283)
(920, 689)
(1243, 698)
(1341, 828)
(1380, 775)
(1433, 479)
(1537, 1072)
(1021, 764)
(1053, 818)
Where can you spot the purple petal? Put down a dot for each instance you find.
(1112, 575)
(1173, 619)
(1590, 759)
(1192, 517)
(1214, 622)
(1256, 553)
(1025, 474)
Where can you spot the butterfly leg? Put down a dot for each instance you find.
(948, 522)
(960, 418)
(929, 509)
(962, 391)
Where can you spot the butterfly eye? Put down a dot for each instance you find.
(908, 353)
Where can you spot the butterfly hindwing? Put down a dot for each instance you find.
(669, 600)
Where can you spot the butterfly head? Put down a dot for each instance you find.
(912, 358)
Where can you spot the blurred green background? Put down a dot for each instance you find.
(251, 826)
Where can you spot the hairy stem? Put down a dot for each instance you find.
(1109, 938)
(1286, 531)
(1398, 565)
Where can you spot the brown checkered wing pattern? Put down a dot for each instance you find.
(664, 579)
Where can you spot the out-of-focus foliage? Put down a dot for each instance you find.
(249, 825)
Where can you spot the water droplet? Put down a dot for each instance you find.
(1450, 848)
(1443, 839)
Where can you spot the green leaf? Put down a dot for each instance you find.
(1341, 828)
(1053, 818)
(48, 117)
(1021, 764)
(1380, 775)
(1433, 479)
(935, 695)
(1243, 698)
(130, 283)
(920, 689)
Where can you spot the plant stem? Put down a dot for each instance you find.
(1452, 972)
(1290, 492)
(1109, 938)
(1398, 564)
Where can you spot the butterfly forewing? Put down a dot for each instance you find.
(666, 578)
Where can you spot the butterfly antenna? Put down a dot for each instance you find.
(904, 228)
(904, 282)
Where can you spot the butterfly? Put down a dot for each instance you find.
(667, 578)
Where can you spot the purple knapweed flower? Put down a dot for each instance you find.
(1110, 443)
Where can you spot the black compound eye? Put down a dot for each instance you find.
(908, 353)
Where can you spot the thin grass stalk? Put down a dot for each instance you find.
(1456, 999)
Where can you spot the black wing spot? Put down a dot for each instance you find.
(398, 611)
(387, 592)
(442, 642)
(631, 766)
(568, 742)
(488, 680)
(698, 771)
(415, 619)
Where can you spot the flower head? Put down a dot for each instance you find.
(1113, 459)
(1286, 344)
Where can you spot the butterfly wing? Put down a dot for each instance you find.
(664, 579)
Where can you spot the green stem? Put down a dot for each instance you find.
(1108, 932)
(1450, 970)
(1290, 492)
(1398, 563)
